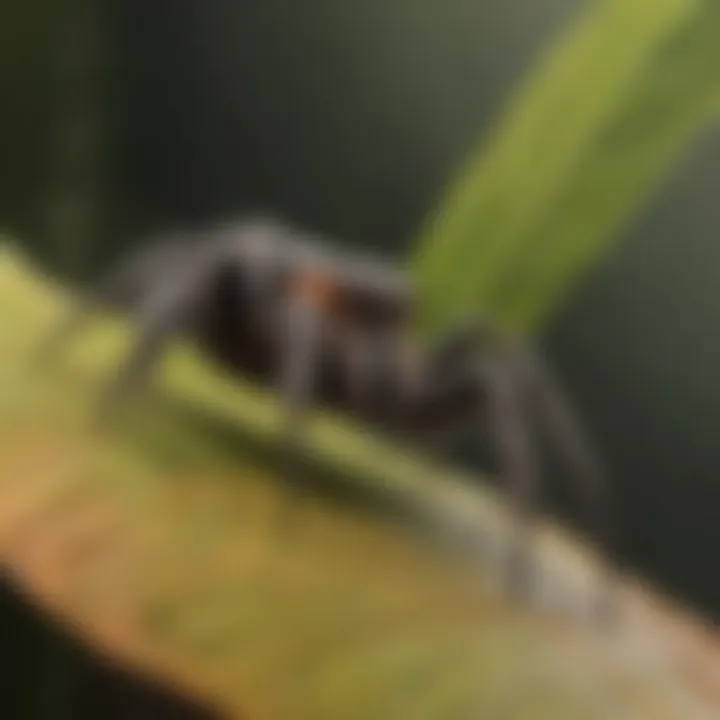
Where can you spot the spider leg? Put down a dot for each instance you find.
(302, 336)
(166, 311)
(561, 427)
(124, 288)
(379, 376)
(301, 353)
(362, 355)
(518, 466)
(157, 323)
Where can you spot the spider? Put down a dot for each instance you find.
(288, 309)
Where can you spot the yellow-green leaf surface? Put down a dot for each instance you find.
(158, 541)
(587, 137)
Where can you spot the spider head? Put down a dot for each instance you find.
(463, 346)
(449, 389)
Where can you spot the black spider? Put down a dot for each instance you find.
(289, 310)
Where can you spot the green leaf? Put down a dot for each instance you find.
(159, 543)
(615, 101)
(630, 159)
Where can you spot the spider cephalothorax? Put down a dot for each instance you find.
(327, 327)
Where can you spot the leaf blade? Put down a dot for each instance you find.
(675, 102)
(513, 184)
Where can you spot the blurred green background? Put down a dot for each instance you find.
(353, 117)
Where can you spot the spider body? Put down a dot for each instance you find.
(278, 305)
(365, 357)
(243, 326)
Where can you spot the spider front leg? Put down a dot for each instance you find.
(557, 419)
(518, 467)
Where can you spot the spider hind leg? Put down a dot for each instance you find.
(166, 309)
(124, 288)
